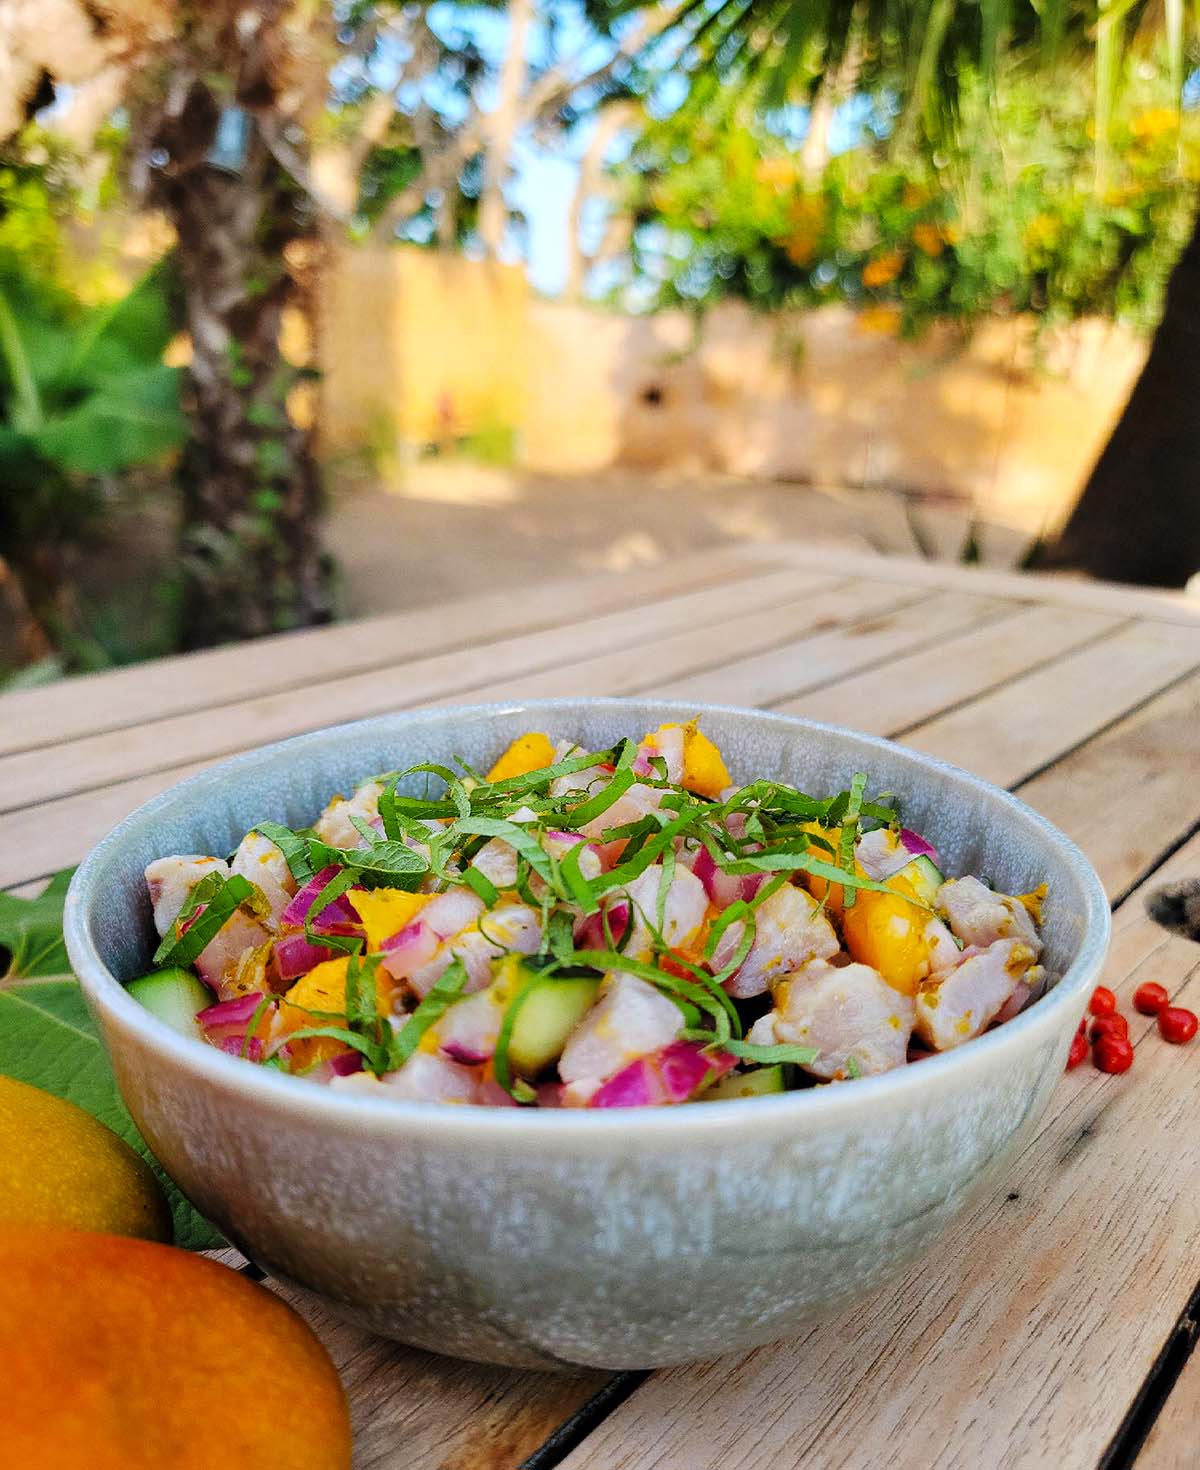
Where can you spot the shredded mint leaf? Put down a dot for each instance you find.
(293, 847)
(210, 905)
(749, 1051)
(48, 1037)
(445, 992)
(386, 864)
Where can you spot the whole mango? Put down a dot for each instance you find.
(60, 1166)
(120, 1354)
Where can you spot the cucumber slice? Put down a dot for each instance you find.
(924, 876)
(757, 1083)
(175, 996)
(548, 1015)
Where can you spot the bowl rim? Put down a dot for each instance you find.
(296, 1096)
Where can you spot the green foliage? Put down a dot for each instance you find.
(48, 1037)
(1004, 217)
(83, 394)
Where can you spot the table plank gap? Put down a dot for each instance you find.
(1130, 794)
(863, 632)
(1009, 735)
(660, 663)
(90, 703)
(1167, 1423)
(412, 1410)
(903, 692)
(1001, 1337)
(87, 762)
(1053, 589)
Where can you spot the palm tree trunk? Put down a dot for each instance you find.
(251, 547)
(1138, 519)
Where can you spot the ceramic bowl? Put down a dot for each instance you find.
(611, 1239)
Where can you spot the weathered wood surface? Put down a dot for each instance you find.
(1035, 1334)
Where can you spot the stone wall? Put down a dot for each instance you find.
(420, 347)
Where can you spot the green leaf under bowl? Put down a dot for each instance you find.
(48, 1038)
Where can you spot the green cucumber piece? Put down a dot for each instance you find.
(548, 1015)
(757, 1083)
(175, 996)
(924, 876)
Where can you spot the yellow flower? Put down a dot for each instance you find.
(928, 238)
(776, 173)
(1153, 122)
(1042, 232)
(883, 320)
(883, 269)
(800, 248)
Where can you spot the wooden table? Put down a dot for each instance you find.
(1053, 1328)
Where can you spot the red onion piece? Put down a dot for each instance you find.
(590, 933)
(295, 956)
(337, 917)
(346, 1063)
(238, 1046)
(634, 1086)
(230, 1012)
(914, 843)
(684, 1065)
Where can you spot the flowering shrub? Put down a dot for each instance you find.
(1006, 217)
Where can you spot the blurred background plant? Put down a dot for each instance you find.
(1001, 218)
(922, 162)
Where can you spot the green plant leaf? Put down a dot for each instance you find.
(134, 419)
(48, 1037)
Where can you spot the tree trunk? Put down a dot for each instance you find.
(247, 243)
(502, 127)
(1138, 519)
(589, 183)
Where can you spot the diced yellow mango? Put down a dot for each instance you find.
(319, 999)
(887, 932)
(704, 769)
(531, 752)
(385, 911)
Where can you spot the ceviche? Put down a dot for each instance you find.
(587, 929)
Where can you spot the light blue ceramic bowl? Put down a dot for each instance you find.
(564, 1238)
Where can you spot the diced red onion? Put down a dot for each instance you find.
(337, 917)
(590, 933)
(238, 1046)
(725, 888)
(295, 956)
(346, 1063)
(409, 949)
(914, 843)
(684, 1065)
(634, 1086)
(671, 1075)
(230, 1012)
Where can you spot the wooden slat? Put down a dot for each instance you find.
(774, 600)
(1174, 1441)
(1133, 792)
(39, 840)
(659, 665)
(1007, 735)
(1024, 1337)
(908, 690)
(1052, 590)
(414, 1411)
(161, 687)
(864, 630)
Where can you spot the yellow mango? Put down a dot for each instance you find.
(531, 752)
(887, 932)
(704, 769)
(385, 911)
(323, 990)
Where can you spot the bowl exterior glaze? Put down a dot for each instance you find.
(563, 1239)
